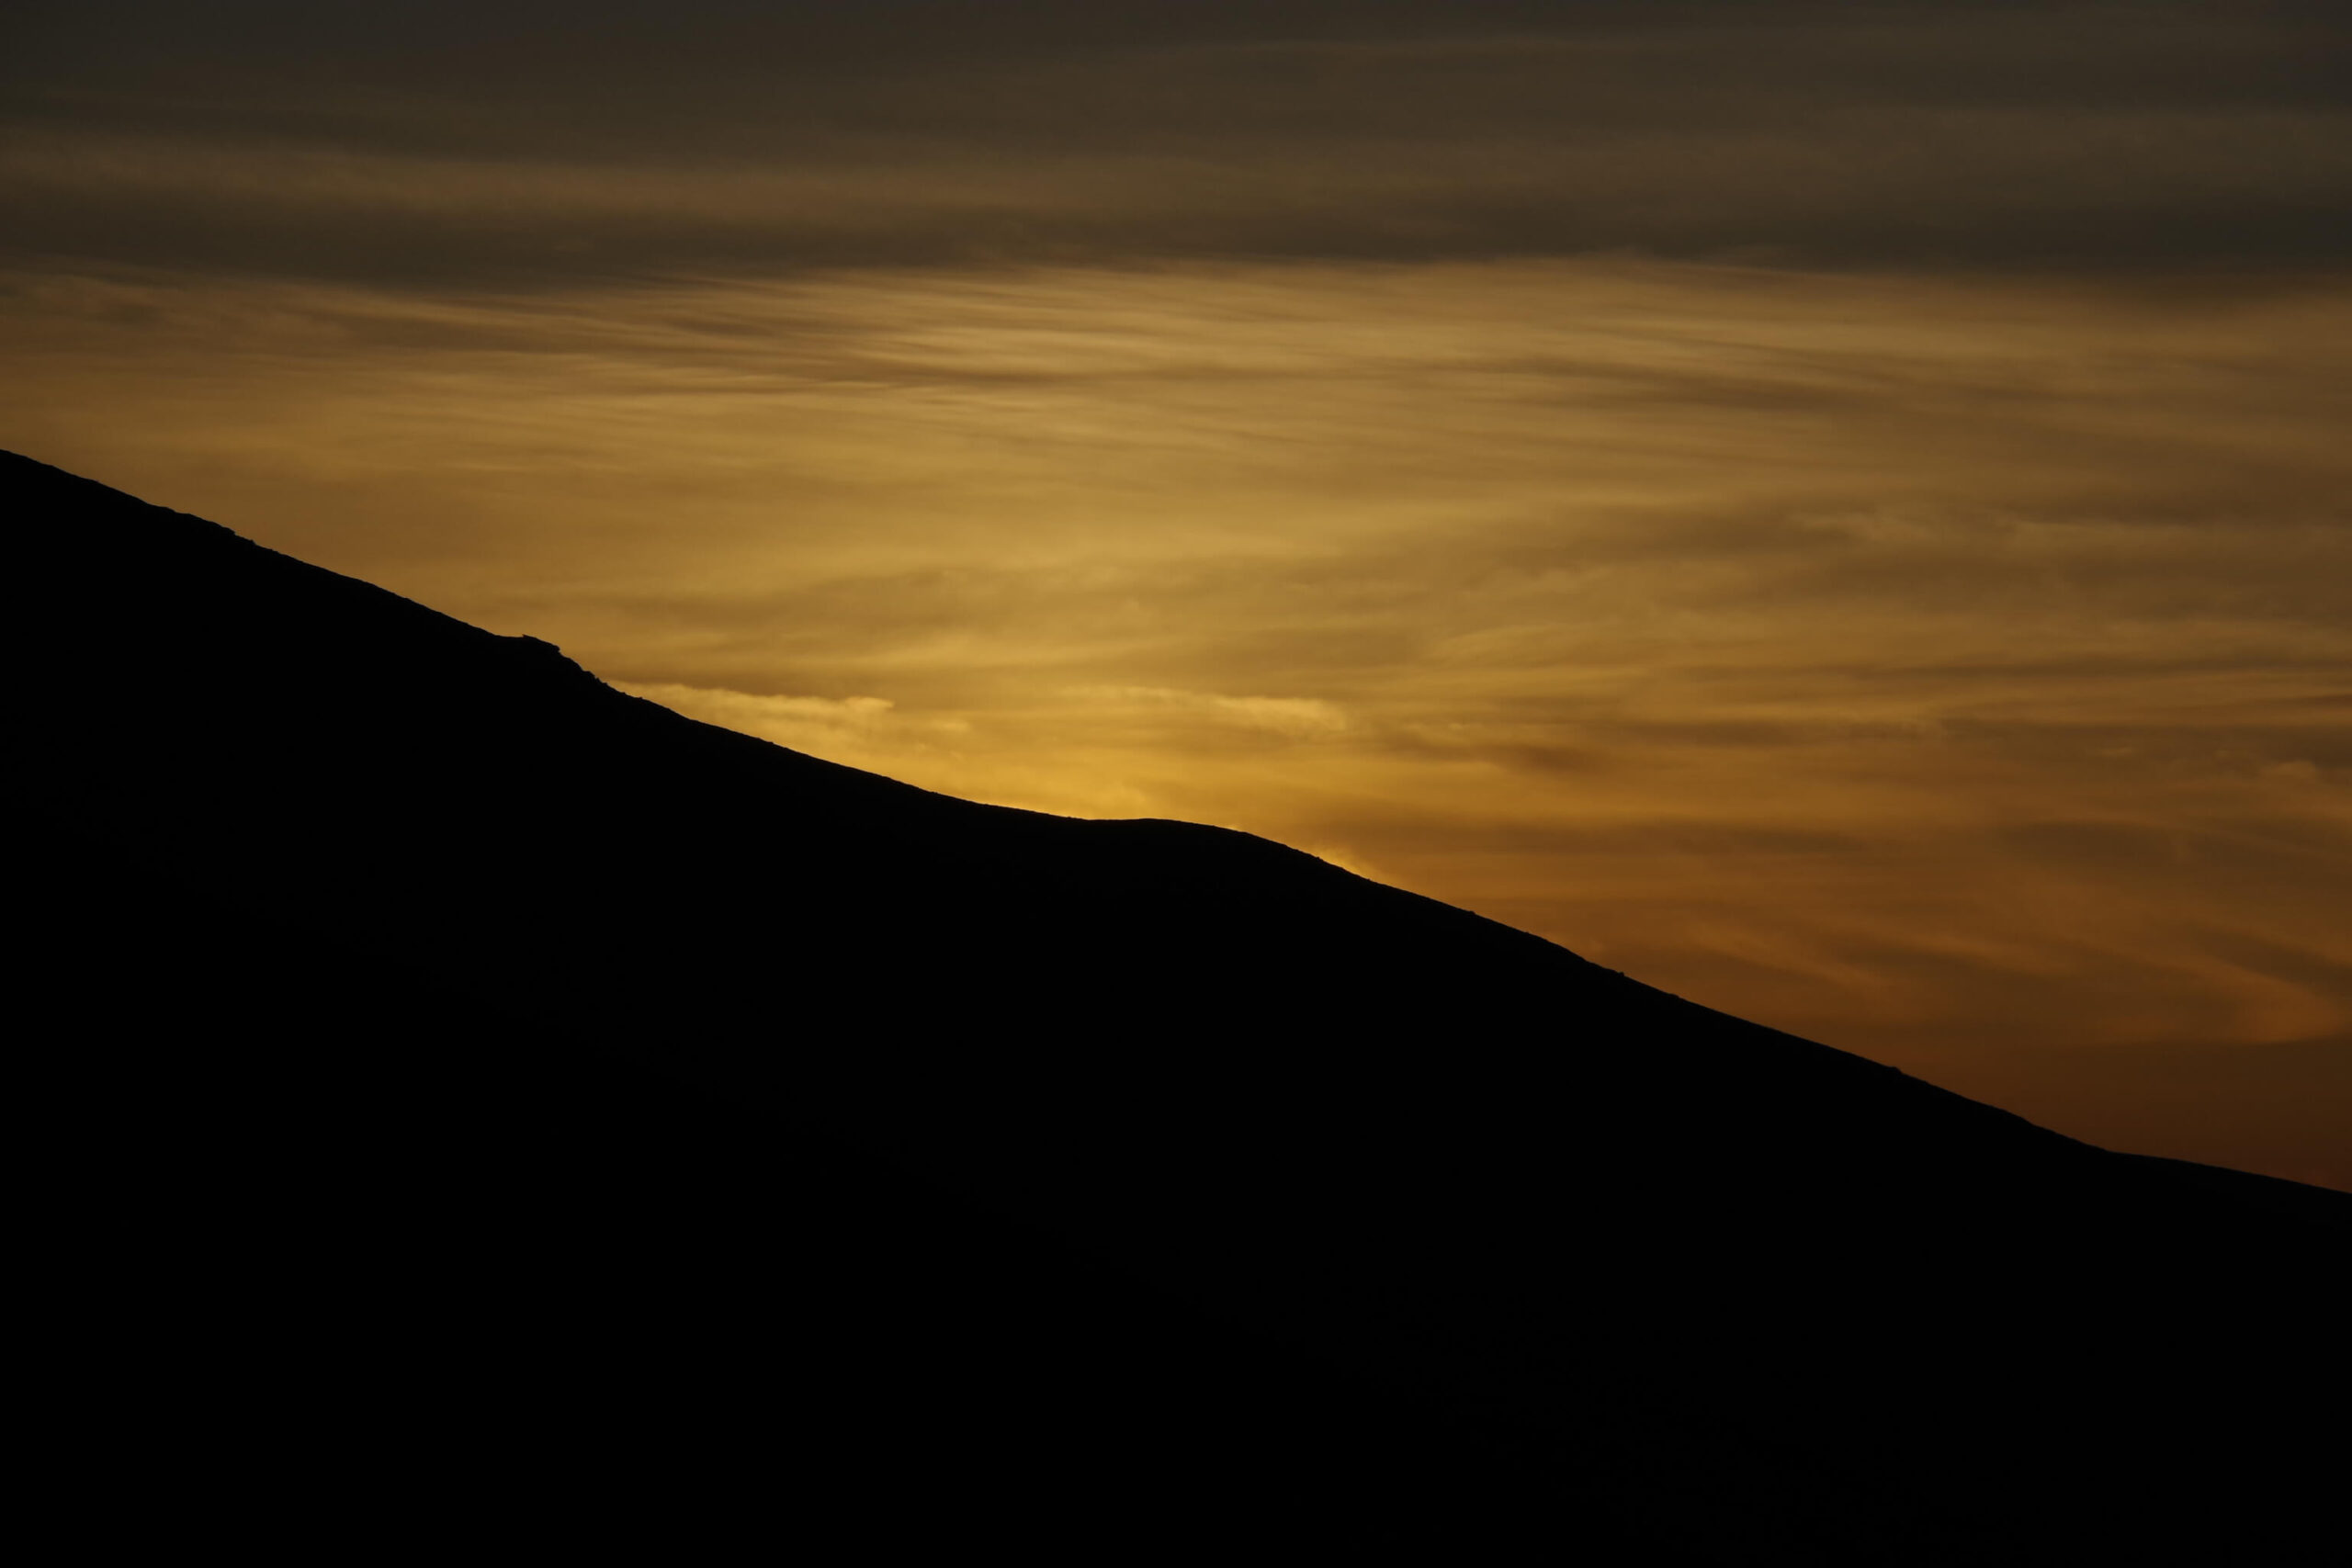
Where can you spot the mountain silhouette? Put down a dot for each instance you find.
(491, 1103)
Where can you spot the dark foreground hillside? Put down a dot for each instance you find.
(492, 1097)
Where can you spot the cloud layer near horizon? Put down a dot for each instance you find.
(1854, 534)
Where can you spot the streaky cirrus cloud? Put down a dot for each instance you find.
(1908, 661)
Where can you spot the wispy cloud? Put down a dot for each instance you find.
(1895, 660)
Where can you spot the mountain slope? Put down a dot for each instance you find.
(633, 1076)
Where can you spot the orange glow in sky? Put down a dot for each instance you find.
(1854, 535)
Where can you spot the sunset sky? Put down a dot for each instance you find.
(1838, 512)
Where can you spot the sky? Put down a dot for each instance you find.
(1839, 512)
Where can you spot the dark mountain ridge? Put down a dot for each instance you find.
(545, 1100)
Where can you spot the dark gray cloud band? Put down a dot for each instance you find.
(507, 141)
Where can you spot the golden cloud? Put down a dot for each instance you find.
(1922, 663)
